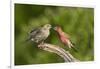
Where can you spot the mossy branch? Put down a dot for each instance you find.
(59, 51)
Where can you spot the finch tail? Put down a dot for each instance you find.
(74, 49)
(72, 45)
(28, 39)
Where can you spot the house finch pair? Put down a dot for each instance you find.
(40, 34)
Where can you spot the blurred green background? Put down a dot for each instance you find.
(78, 22)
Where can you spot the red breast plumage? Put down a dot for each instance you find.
(64, 37)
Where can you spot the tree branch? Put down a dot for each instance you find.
(59, 51)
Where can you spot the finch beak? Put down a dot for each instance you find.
(54, 28)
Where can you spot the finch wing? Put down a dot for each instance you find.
(67, 35)
(31, 34)
(34, 32)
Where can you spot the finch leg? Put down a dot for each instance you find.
(41, 46)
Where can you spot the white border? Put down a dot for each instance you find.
(73, 3)
(4, 34)
(12, 36)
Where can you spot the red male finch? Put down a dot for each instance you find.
(64, 37)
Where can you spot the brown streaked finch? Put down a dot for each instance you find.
(40, 34)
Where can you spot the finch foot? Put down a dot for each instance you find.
(41, 46)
